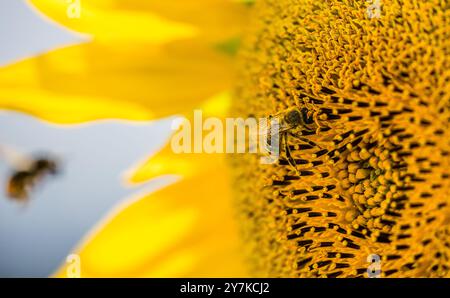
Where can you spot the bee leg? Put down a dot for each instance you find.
(288, 154)
(309, 142)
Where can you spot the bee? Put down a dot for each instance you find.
(21, 182)
(292, 122)
(19, 185)
(42, 166)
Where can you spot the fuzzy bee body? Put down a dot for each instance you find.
(21, 182)
(292, 122)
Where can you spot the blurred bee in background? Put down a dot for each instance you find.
(21, 183)
(27, 172)
(292, 122)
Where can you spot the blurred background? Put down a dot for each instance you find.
(36, 237)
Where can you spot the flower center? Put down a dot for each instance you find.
(369, 175)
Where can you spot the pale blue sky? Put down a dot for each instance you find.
(34, 240)
(23, 33)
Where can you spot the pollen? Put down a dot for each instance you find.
(373, 176)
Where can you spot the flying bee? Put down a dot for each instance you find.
(291, 122)
(42, 166)
(19, 185)
(21, 182)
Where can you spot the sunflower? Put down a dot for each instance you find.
(366, 173)
(369, 176)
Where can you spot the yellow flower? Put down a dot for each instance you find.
(365, 154)
(365, 176)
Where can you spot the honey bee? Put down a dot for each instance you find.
(19, 185)
(292, 122)
(42, 166)
(21, 182)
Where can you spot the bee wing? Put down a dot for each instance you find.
(264, 127)
(14, 157)
(272, 125)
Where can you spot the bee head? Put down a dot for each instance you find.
(294, 117)
(297, 117)
(45, 165)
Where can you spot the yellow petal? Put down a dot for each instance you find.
(96, 81)
(184, 230)
(213, 19)
(216, 19)
(73, 109)
(106, 23)
(166, 162)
